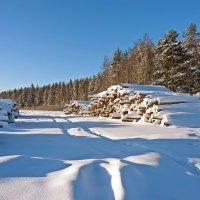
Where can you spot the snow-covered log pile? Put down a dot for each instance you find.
(8, 111)
(77, 107)
(139, 103)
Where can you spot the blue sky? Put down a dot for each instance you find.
(46, 41)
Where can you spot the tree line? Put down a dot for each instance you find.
(173, 62)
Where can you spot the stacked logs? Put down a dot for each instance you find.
(120, 102)
(8, 111)
(77, 108)
(130, 103)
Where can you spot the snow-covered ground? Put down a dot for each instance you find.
(51, 156)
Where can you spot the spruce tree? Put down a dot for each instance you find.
(70, 90)
(169, 60)
(116, 66)
(46, 95)
(75, 89)
(39, 96)
(51, 97)
(92, 85)
(30, 101)
(192, 43)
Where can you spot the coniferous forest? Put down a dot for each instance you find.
(173, 62)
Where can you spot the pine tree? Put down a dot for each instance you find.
(22, 100)
(75, 89)
(92, 85)
(63, 94)
(126, 73)
(39, 96)
(192, 43)
(85, 89)
(46, 95)
(169, 60)
(116, 66)
(70, 90)
(30, 101)
(51, 97)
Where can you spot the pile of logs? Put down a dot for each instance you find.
(8, 111)
(130, 103)
(127, 106)
(77, 108)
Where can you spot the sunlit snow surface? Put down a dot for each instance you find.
(51, 156)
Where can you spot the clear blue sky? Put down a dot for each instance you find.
(46, 41)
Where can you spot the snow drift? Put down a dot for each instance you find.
(48, 155)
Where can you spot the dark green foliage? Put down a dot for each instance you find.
(192, 43)
(116, 66)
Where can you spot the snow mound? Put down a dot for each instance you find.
(49, 155)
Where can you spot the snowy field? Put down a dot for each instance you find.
(51, 156)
